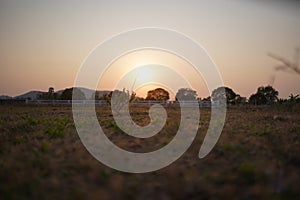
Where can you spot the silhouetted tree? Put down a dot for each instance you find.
(132, 96)
(121, 97)
(186, 94)
(95, 96)
(158, 94)
(264, 95)
(239, 99)
(50, 95)
(106, 97)
(222, 93)
(258, 99)
(206, 99)
(294, 98)
(50, 90)
(67, 94)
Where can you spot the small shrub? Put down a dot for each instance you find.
(114, 125)
(246, 173)
(20, 139)
(45, 146)
(56, 128)
(29, 122)
(260, 133)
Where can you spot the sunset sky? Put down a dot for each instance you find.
(43, 43)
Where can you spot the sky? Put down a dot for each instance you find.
(44, 43)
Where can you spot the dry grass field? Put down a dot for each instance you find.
(256, 157)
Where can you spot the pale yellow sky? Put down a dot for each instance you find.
(43, 43)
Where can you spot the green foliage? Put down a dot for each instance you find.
(261, 133)
(45, 146)
(246, 173)
(114, 125)
(56, 128)
(20, 139)
(109, 123)
(30, 122)
(104, 175)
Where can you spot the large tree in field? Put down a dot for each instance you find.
(50, 95)
(222, 93)
(158, 94)
(264, 95)
(67, 94)
(186, 94)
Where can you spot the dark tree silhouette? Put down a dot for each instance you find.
(50, 95)
(258, 99)
(186, 94)
(106, 97)
(222, 93)
(67, 94)
(207, 98)
(121, 97)
(226, 93)
(239, 99)
(158, 94)
(294, 98)
(95, 96)
(264, 95)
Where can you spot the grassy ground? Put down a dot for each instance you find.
(257, 157)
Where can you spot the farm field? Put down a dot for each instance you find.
(256, 157)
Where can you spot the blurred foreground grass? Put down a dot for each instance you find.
(257, 157)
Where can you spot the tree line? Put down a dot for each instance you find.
(265, 95)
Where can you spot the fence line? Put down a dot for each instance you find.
(201, 103)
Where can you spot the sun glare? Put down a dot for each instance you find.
(145, 67)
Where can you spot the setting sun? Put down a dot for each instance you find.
(151, 67)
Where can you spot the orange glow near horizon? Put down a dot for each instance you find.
(144, 66)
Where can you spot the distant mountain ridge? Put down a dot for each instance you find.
(33, 95)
